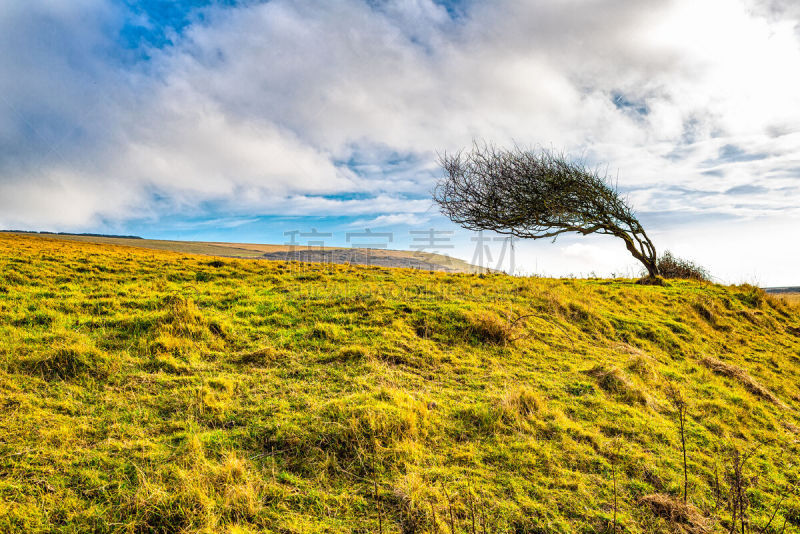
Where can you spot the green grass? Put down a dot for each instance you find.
(148, 391)
(255, 250)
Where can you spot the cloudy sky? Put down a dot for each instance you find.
(240, 121)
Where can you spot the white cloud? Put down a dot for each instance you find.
(347, 76)
(394, 219)
(319, 108)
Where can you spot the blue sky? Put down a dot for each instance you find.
(243, 120)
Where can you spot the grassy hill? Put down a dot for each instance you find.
(383, 257)
(151, 391)
(787, 294)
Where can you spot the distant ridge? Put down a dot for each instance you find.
(376, 257)
(795, 289)
(71, 233)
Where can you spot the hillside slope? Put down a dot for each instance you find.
(147, 391)
(427, 261)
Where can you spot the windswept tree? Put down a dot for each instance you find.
(535, 194)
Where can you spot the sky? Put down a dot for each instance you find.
(266, 121)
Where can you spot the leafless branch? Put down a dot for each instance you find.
(535, 195)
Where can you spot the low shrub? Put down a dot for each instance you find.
(671, 266)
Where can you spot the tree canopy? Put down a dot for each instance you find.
(535, 194)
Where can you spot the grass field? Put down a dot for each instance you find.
(255, 250)
(153, 391)
(790, 298)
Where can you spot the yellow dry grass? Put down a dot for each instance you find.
(145, 390)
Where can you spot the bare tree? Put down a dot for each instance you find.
(537, 194)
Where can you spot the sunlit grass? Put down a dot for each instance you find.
(146, 391)
(789, 298)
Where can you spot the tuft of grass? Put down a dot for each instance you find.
(357, 424)
(352, 353)
(66, 361)
(326, 332)
(614, 380)
(261, 357)
(682, 517)
(487, 327)
(522, 401)
(642, 366)
(744, 378)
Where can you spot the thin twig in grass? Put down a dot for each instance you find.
(471, 505)
(677, 400)
(789, 491)
(614, 479)
(613, 455)
(375, 490)
(433, 517)
(739, 501)
(774, 513)
(450, 509)
(20, 453)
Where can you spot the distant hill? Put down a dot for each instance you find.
(354, 256)
(787, 294)
(795, 289)
(70, 234)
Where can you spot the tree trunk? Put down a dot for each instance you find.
(652, 269)
(649, 263)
